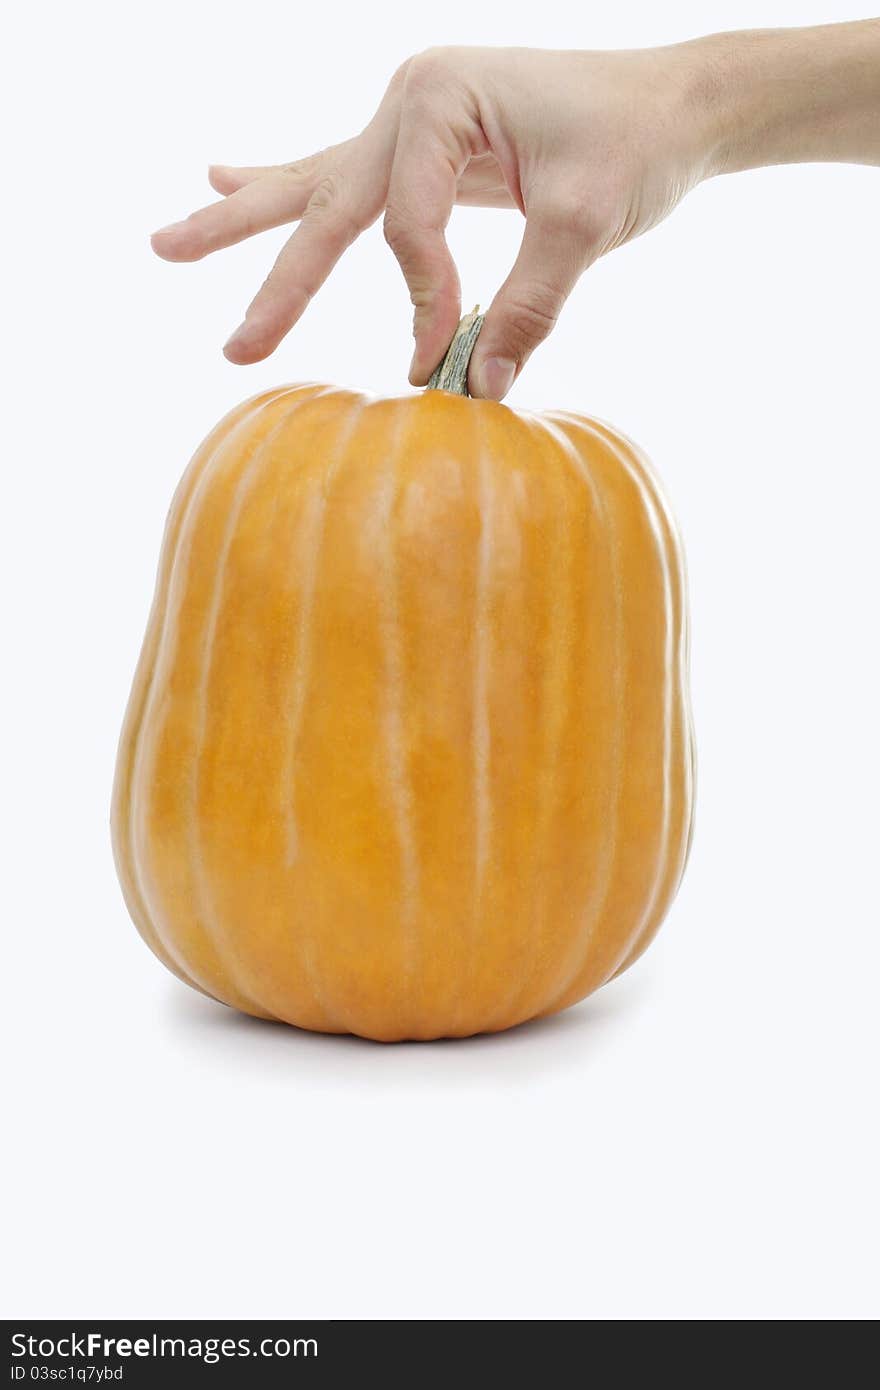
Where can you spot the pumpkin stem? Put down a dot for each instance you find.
(451, 375)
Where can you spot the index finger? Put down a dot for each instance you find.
(268, 201)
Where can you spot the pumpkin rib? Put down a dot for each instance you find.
(311, 562)
(610, 527)
(399, 794)
(207, 985)
(439, 1002)
(399, 790)
(216, 987)
(334, 1015)
(556, 701)
(301, 682)
(481, 744)
(588, 976)
(557, 675)
(121, 819)
(247, 484)
(203, 909)
(606, 527)
(669, 655)
(668, 549)
(683, 731)
(688, 732)
(683, 611)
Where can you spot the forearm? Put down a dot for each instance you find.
(786, 96)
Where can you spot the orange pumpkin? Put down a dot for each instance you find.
(408, 752)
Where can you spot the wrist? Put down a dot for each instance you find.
(712, 99)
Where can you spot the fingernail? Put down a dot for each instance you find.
(495, 377)
(172, 227)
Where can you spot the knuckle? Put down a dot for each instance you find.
(271, 286)
(301, 168)
(577, 217)
(590, 226)
(422, 255)
(398, 77)
(279, 289)
(423, 297)
(426, 69)
(600, 221)
(330, 203)
(397, 231)
(327, 193)
(429, 76)
(529, 317)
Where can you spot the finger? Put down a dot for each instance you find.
(429, 158)
(228, 178)
(270, 201)
(328, 227)
(553, 254)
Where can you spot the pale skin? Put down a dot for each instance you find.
(592, 148)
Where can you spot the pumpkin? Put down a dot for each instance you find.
(408, 753)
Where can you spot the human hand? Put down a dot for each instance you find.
(590, 147)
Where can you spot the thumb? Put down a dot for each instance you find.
(525, 309)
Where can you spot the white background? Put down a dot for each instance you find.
(697, 1141)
